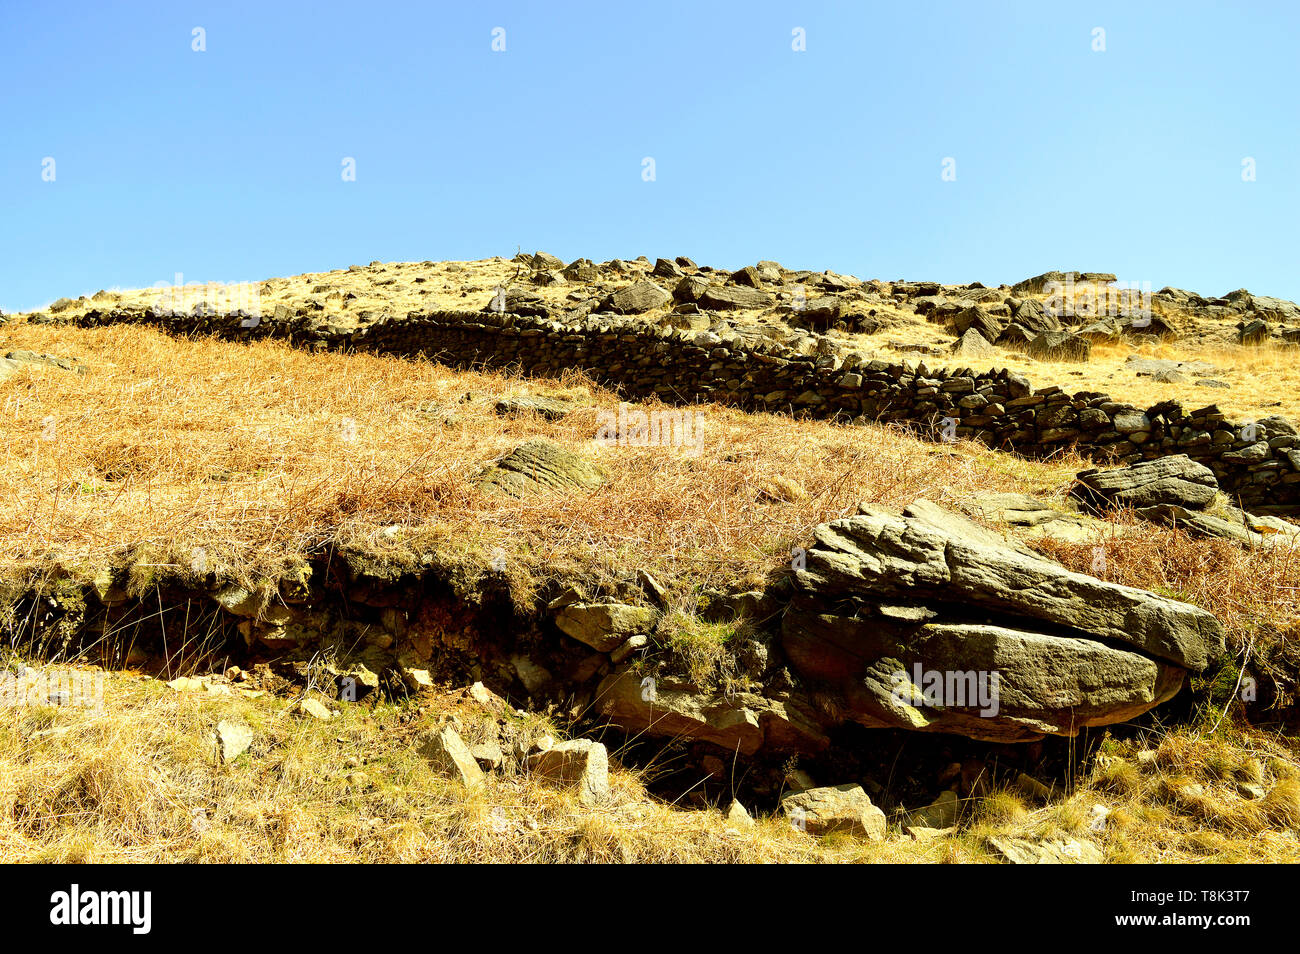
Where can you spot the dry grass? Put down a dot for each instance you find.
(141, 781)
(242, 451)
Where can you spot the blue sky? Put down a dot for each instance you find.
(226, 164)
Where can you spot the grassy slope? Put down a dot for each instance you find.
(239, 450)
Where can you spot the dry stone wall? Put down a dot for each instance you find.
(1257, 462)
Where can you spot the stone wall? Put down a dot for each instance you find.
(1256, 462)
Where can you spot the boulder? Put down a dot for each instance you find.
(989, 327)
(1176, 480)
(604, 626)
(637, 297)
(536, 466)
(734, 298)
(579, 764)
(973, 345)
(839, 808)
(986, 682)
(1033, 317)
(969, 570)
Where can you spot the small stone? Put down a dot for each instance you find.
(580, 763)
(234, 738)
(314, 709)
(449, 755)
(737, 817)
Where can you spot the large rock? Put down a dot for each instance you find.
(539, 465)
(733, 298)
(1176, 480)
(971, 572)
(743, 722)
(604, 626)
(842, 808)
(637, 297)
(983, 681)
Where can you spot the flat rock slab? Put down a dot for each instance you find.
(1229, 524)
(537, 466)
(1020, 510)
(1176, 480)
(14, 360)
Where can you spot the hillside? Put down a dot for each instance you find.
(363, 588)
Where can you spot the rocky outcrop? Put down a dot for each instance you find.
(743, 722)
(1176, 480)
(926, 621)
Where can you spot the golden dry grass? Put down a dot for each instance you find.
(141, 781)
(241, 450)
(244, 451)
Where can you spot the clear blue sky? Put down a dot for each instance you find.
(225, 165)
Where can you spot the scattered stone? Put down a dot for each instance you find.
(488, 755)
(552, 409)
(234, 738)
(315, 709)
(1055, 851)
(581, 764)
(737, 817)
(447, 752)
(941, 813)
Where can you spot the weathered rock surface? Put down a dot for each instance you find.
(1052, 851)
(580, 764)
(926, 621)
(539, 465)
(743, 722)
(1176, 480)
(843, 808)
(604, 626)
(951, 560)
(448, 754)
(552, 409)
(637, 297)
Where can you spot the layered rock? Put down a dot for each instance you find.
(925, 621)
